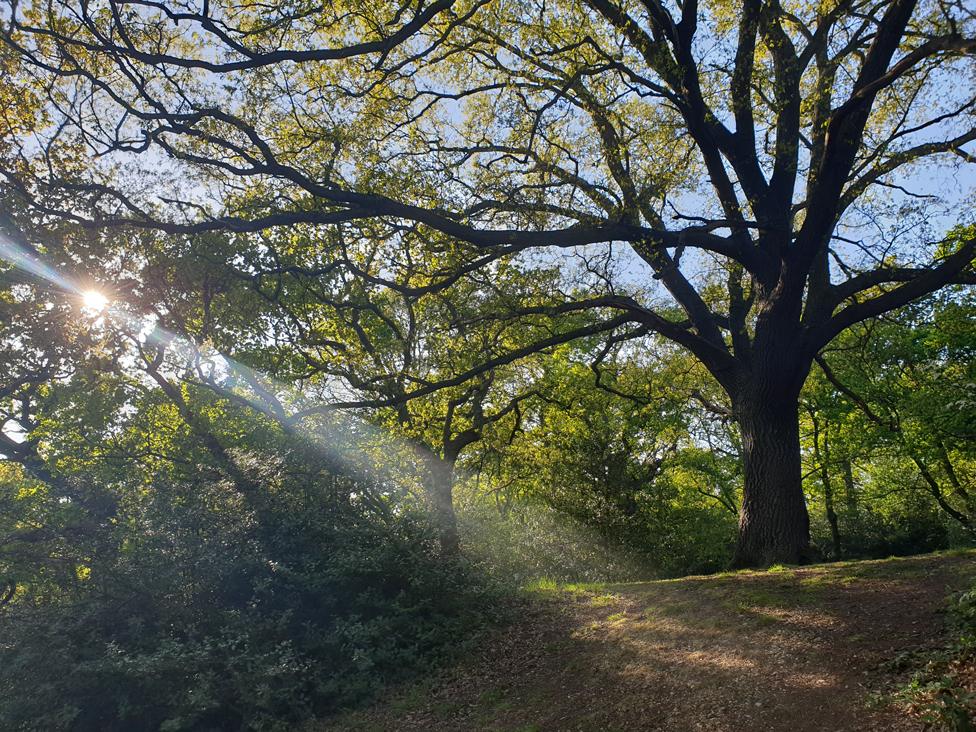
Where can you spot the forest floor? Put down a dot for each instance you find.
(788, 649)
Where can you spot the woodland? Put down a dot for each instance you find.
(328, 331)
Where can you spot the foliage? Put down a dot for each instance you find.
(624, 459)
(888, 431)
(744, 179)
(573, 259)
(190, 612)
(180, 560)
(528, 542)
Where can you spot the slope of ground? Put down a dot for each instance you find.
(794, 649)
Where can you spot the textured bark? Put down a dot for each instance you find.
(773, 522)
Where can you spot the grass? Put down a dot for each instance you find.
(761, 596)
(605, 600)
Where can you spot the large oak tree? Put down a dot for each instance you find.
(774, 145)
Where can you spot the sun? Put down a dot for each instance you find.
(94, 300)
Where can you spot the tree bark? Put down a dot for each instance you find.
(822, 459)
(440, 493)
(830, 511)
(774, 527)
(936, 490)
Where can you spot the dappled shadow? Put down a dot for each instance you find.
(793, 650)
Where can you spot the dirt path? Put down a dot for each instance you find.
(795, 650)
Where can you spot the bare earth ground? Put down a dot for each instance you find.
(796, 649)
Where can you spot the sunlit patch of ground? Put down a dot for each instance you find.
(789, 649)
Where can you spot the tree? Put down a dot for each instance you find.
(365, 347)
(770, 146)
(626, 458)
(165, 550)
(905, 385)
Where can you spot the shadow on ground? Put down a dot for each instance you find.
(794, 649)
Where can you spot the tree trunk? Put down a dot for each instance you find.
(831, 513)
(774, 527)
(850, 489)
(440, 492)
(824, 457)
(821, 457)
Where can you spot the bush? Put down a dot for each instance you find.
(195, 612)
(902, 528)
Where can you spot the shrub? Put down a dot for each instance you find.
(195, 612)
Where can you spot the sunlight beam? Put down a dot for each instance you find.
(27, 261)
(341, 438)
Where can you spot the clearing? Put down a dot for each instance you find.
(787, 649)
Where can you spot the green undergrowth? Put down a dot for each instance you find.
(941, 690)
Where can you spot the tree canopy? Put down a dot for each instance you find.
(740, 178)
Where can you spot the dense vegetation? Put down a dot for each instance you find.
(325, 329)
(174, 554)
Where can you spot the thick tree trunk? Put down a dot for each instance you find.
(774, 527)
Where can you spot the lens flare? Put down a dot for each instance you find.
(94, 300)
(30, 262)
